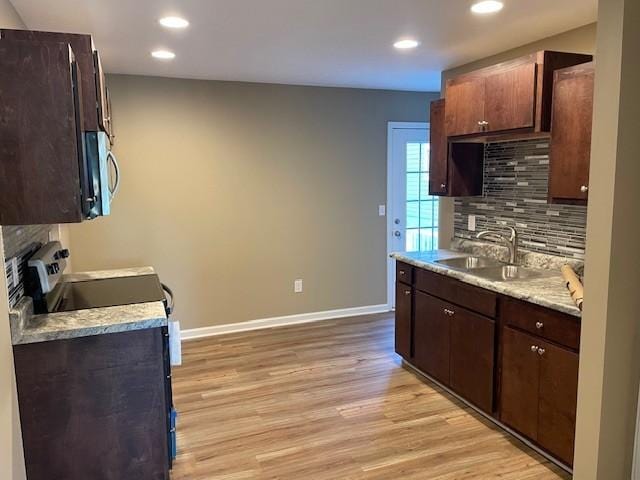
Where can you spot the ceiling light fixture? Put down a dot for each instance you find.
(163, 54)
(487, 6)
(406, 44)
(173, 22)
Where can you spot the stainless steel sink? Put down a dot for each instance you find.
(508, 273)
(469, 263)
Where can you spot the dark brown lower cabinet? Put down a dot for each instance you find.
(95, 407)
(558, 400)
(404, 329)
(472, 357)
(432, 336)
(520, 382)
(539, 391)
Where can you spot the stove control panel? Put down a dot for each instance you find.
(49, 262)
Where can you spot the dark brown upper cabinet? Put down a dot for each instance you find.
(513, 97)
(41, 140)
(455, 168)
(439, 150)
(570, 152)
(95, 96)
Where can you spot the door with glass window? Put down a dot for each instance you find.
(413, 213)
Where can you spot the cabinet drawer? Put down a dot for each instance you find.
(548, 324)
(468, 296)
(404, 273)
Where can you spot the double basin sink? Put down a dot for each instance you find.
(491, 269)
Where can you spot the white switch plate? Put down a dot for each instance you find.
(471, 223)
(382, 210)
(297, 286)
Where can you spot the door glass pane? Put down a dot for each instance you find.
(422, 208)
(413, 186)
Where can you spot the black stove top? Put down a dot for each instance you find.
(109, 292)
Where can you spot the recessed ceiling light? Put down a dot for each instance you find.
(163, 54)
(487, 6)
(406, 44)
(173, 22)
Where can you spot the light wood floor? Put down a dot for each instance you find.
(329, 400)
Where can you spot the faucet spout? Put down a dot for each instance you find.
(511, 241)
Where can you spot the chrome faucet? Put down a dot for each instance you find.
(511, 241)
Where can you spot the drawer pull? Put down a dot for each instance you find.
(451, 313)
(541, 351)
(534, 348)
(401, 272)
(539, 325)
(407, 292)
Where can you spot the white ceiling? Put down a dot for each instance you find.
(308, 42)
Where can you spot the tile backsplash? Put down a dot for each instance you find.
(19, 243)
(516, 179)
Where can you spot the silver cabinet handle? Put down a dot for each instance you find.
(401, 273)
(116, 168)
(534, 348)
(449, 312)
(443, 185)
(407, 292)
(541, 351)
(584, 189)
(539, 325)
(483, 123)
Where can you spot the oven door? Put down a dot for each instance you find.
(105, 172)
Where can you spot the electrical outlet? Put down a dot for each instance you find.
(471, 223)
(382, 210)
(297, 286)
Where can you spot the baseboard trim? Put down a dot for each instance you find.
(194, 333)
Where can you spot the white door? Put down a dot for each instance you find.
(412, 224)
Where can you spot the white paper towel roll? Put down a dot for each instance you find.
(175, 343)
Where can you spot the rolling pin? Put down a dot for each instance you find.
(574, 285)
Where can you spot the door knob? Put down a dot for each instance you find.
(541, 351)
(534, 348)
(584, 189)
(443, 185)
(397, 233)
(397, 221)
(539, 325)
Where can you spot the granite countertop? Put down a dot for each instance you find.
(548, 291)
(26, 327)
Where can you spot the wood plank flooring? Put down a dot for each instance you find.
(329, 401)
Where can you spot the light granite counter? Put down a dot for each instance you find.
(26, 327)
(548, 291)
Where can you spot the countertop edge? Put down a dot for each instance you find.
(500, 288)
(145, 315)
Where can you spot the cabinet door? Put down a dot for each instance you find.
(465, 106)
(431, 337)
(403, 320)
(519, 382)
(571, 134)
(510, 98)
(472, 357)
(439, 150)
(103, 100)
(558, 397)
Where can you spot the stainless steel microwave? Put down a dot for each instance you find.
(104, 172)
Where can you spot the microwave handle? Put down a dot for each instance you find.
(116, 168)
